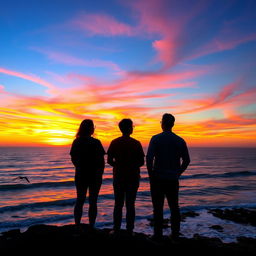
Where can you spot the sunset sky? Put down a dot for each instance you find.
(62, 61)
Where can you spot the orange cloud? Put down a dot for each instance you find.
(55, 119)
(235, 129)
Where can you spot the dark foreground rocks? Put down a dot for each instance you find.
(55, 240)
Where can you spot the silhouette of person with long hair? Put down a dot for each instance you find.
(126, 156)
(167, 158)
(87, 155)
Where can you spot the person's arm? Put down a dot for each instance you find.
(74, 153)
(185, 158)
(110, 159)
(150, 157)
(101, 157)
(141, 155)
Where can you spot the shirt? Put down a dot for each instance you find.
(87, 155)
(164, 155)
(126, 156)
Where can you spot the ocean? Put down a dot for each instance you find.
(216, 178)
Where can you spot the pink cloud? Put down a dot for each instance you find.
(176, 32)
(102, 24)
(137, 83)
(151, 81)
(133, 87)
(166, 51)
(153, 20)
(159, 20)
(1, 88)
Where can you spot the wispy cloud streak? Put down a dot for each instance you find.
(31, 78)
(75, 61)
(102, 24)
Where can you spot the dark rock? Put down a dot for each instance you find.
(207, 239)
(239, 215)
(184, 215)
(166, 222)
(41, 229)
(11, 233)
(44, 239)
(217, 227)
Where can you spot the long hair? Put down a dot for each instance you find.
(86, 128)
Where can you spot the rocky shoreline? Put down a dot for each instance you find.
(68, 238)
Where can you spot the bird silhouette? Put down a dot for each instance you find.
(22, 178)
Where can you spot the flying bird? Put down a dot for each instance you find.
(22, 178)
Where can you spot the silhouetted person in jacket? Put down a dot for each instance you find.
(87, 155)
(126, 156)
(167, 158)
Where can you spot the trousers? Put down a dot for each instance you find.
(125, 192)
(161, 189)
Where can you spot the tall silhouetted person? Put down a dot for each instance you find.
(87, 155)
(126, 156)
(167, 158)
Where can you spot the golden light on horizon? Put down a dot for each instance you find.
(58, 141)
(60, 130)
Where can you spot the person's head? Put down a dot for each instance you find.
(86, 128)
(167, 121)
(126, 126)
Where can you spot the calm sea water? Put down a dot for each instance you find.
(217, 177)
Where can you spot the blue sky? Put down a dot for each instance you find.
(142, 58)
